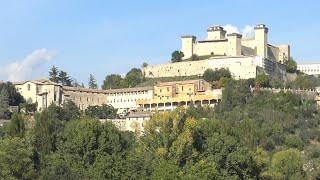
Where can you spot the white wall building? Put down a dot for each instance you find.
(311, 69)
(42, 91)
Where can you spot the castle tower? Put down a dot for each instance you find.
(187, 46)
(234, 44)
(261, 38)
(216, 33)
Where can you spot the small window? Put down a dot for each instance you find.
(29, 87)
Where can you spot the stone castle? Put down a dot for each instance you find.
(218, 43)
(245, 58)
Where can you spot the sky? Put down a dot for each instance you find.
(102, 37)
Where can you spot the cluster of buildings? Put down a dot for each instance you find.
(139, 101)
(244, 57)
(161, 97)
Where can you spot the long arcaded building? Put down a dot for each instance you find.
(163, 96)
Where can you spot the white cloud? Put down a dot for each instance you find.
(247, 31)
(24, 69)
(231, 29)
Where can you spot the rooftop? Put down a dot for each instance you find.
(108, 91)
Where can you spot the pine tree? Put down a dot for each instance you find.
(4, 102)
(53, 74)
(92, 82)
(64, 78)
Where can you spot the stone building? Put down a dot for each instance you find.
(122, 99)
(245, 58)
(169, 95)
(84, 97)
(45, 92)
(218, 43)
(42, 91)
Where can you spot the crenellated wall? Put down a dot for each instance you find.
(218, 43)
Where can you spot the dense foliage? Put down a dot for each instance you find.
(291, 66)
(101, 112)
(132, 79)
(15, 98)
(211, 75)
(4, 104)
(248, 135)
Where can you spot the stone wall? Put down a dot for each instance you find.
(240, 67)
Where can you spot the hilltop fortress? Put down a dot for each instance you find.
(245, 58)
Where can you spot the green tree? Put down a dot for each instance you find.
(16, 159)
(262, 80)
(210, 75)
(59, 166)
(15, 98)
(144, 64)
(112, 81)
(53, 74)
(291, 65)
(16, 126)
(4, 103)
(70, 111)
(45, 132)
(101, 112)
(203, 169)
(166, 170)
(96, 150)
(134, 77)
(64, 78)
(177, 56)
(92, 82)
(235, 93)
(287, 164)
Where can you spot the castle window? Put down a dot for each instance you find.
(168, 89)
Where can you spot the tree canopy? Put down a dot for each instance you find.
(176, 56)
(4, 103)
(248, 135)
(59, 76)
(211, 75)
(291, 65)
(92, 83)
